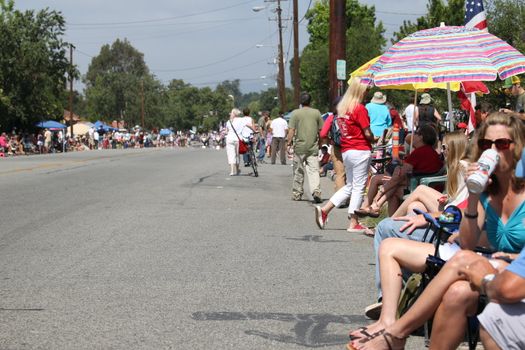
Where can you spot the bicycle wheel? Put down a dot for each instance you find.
(254, 163)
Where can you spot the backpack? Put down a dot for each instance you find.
(335, 130)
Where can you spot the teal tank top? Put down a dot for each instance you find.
(509, 237)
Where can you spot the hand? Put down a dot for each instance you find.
(476, 270)
(452, 238)
(412, 222)
(443, 200)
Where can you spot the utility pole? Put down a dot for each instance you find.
(142, 103)
(337, 46)
(282, 91)
(295, 72)
(70, 92)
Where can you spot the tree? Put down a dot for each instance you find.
(365, 40)
(33, 66)
(506, 20)
(452, 14)
(115, 82)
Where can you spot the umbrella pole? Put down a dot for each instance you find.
(413, 123)
(450, 116)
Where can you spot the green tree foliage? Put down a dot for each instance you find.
(365, 40)
(452, 13)
(506, 20)
(115, 82)
(33, 66)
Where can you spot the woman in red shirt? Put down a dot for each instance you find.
(356, 147)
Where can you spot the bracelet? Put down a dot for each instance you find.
(484, 281)
(470, 216)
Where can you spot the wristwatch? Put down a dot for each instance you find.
(486, 279)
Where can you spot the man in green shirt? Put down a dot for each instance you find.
(303, 133)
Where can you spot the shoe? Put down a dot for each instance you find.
(317, 197)
(357, 229)
(296, 197)
(320, 217)
(232, 174)
(246, 165)
(374, 311)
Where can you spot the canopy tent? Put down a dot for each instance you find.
(165, 132)
(80, 128)
(51, 125)
(101, 125)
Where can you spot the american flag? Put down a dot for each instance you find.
(474, 18)
(475, 14)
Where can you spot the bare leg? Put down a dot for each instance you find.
(450, 319)
(395, 253)
(424, 194)
(373, 188)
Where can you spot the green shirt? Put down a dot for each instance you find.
(520, 103)
(307, 123)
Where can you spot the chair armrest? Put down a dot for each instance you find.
(433, 179)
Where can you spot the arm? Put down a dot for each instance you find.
(369, 136)
(437, 115)
(289, 138)
(470, 228)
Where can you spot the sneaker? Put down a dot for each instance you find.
(357, 229)
(374, 311)
(320, 217)
(317, 197)
(296, 197)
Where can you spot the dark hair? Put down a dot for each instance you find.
(428, 134)
(306, 99)
(246, 111)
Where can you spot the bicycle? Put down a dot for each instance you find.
(253, 158)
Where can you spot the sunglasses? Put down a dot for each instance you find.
(501, 144)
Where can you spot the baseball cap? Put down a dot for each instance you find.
(520, 167)
(511, 81)
(462, 125)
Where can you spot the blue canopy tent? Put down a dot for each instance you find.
(50, 124)
(100, 125)
(165, 132)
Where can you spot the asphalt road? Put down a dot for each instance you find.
(161, 249)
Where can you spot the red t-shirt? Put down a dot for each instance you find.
(424, 160)
(353, 136)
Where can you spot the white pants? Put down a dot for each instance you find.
(356, 167)
(232, 150)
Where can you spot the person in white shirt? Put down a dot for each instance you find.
(279, 128)
(409, 114)
(247, 133)
(234, 127)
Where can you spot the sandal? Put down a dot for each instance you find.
(393, 342)
(363, 331)
(369, 232)
(373, 213)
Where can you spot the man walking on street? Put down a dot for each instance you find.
(278, 127)
(305, 124)
(264, 122)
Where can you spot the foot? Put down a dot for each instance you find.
(320, 217)
(381, 340)
(357, 229)
(296, 197)
(317, 197)
(370, 211)
(371, 329)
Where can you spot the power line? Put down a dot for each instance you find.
(209, 64)
(162, 19)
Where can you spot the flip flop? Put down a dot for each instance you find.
(369, 232)
(367, 212)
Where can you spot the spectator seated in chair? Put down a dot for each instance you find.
(493, 217)
(423, 160)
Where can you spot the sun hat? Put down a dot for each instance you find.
(511, 81)
(425, 99)
(378, 98)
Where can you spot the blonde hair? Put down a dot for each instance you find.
(235, 113)
(352, 97)
(457, 145)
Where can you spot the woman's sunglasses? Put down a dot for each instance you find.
(501, 144)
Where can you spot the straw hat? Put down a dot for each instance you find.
(378, 98)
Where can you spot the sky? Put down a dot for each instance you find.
(202, 42)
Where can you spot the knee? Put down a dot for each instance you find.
(462, 258)
(459, 297)
(388, 247)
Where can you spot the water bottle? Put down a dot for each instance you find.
(487, 163)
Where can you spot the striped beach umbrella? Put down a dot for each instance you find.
(443, 55)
